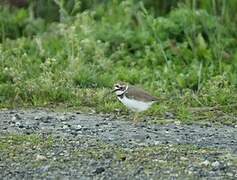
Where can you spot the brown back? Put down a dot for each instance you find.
(139, 94)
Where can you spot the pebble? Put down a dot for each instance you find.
(78, 127)
(169, 115)
(62, 118)
(45, 120)
(177, 122)
(161, 161)
(65, 126)
(230, 174)
(37, 118)
(16, 117)
(40, 157)
(215, 164)
(205, 163)
(12, 112)
(18, 123)
(183, 158)
(45, 168)
(21, 126)
(99, 170)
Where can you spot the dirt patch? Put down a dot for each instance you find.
(45, 144)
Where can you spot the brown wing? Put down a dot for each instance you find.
(139, 94)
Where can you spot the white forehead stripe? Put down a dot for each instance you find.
(120, 92)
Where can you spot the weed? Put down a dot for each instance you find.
(186, 57)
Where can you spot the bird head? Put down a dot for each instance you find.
(120, 88)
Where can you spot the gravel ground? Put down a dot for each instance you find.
(42, 144)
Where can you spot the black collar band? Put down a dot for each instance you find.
(120, 96)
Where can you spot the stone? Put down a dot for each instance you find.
(99, 170)
(40, 157)
(215, 164)
(205, 163)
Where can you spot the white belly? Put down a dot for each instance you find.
(135, 105)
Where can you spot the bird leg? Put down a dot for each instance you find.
(135, 118)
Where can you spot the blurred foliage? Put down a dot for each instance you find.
(37, 14)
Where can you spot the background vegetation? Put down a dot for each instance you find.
(72, 52)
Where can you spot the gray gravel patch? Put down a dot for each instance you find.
(123, 133)
(119, 145)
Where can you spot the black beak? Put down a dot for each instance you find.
(116, 89)
(113, 90)
(110, 92)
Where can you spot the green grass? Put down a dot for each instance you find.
(22, 148)
(187, 58)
